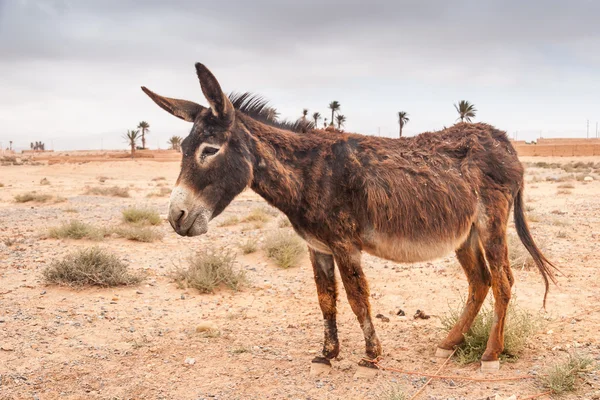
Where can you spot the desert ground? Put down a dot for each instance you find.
(141, 342)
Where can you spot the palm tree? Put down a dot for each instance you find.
(316, 117)
(402, 120)
(131, 138)
(304, 113)
(340, 120)
(175, 142)
(465, 110)
(144, 126)
(335, 107)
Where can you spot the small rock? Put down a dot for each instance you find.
(190, 361)
(43, 293)
(588, 179)
(138, 292)
(401, 313)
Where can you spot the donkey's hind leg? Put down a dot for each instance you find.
(496, 253)
(471, 258)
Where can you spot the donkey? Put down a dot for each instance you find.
(407, 200)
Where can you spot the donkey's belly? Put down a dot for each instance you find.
(403, 250)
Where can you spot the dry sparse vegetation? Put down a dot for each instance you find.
(229, 221)
(249, 246)
(93, 266)
(159, 178)
(70, 210)
(102, 179)
(114, 191)
(562, 191)
(564, 377)
(393, 392)
(44, 181)
(141, 216)
(520, 326)
(285, 248)
(566, 186)
(137, 233)
(207, 271)
(76, 230)
(161, 192)
(32, 196)
(257, 215)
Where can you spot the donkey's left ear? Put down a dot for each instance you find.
(219, 103)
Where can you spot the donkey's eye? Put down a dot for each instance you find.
(210, 151)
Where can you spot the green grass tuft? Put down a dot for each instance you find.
(520, 327)
(141, 216)
(564, 377)
(76, 230)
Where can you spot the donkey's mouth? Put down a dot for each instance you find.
(199, 226)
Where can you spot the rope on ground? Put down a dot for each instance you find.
(453, 377)
(414, 396)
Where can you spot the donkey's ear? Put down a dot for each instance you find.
(186, 110)
(219, 103)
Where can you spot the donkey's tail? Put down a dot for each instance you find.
(545, 267)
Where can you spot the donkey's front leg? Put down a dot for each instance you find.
(357, 290)
(323, 268)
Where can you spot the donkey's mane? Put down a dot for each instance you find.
(257, 107)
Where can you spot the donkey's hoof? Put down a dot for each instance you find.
(443, 353)
(490, 366)
(320, 366)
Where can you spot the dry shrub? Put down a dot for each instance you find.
(76, 230)
(159, 178)
(102, 179)
(392, 392)
(285, 248)
(137, 233)
(518, 256)
(32, 196)
(520, 327)
(566, 186)
(141, 216)
(257, 215)
(562, 235)
(161, 192)
(207, 271)
(93, 266)
(562, 191)
(71, 210)
(544, 164)
(114, 191)
(580, 177)
(249, 246)
(533, 217)
(229, 221)
(565, 376)
(1, 184)
(44, 181)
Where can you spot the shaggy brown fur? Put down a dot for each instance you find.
(407, 200)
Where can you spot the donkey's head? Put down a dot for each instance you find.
(215, 166)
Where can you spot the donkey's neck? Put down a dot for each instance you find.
(278, 156)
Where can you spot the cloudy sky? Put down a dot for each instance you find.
(70, 70)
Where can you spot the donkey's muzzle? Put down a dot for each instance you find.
(187, 215)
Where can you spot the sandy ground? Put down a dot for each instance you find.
(132, 342)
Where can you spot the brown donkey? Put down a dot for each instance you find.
(407, 200)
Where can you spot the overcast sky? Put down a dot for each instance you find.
(70, 70)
